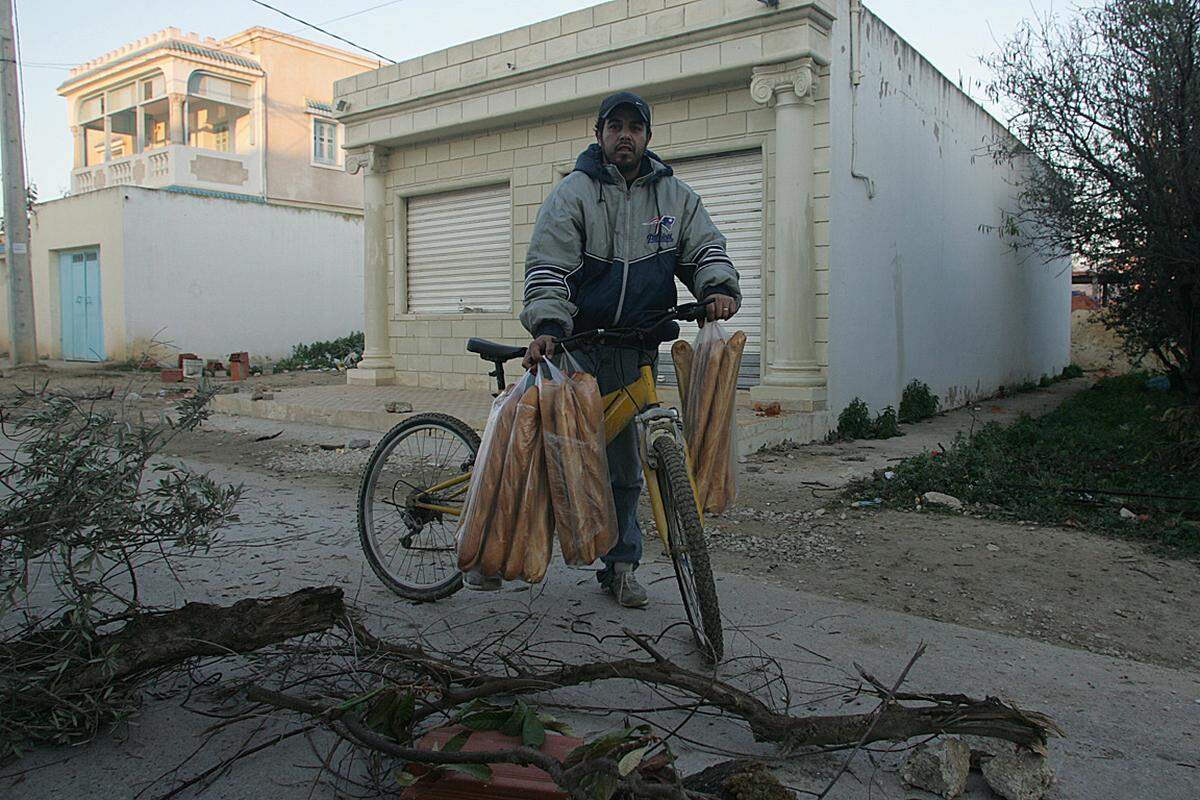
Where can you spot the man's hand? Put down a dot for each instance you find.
(539, 349)
(722, 307)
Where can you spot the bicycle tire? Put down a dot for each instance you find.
(412, 591)
(689, 551)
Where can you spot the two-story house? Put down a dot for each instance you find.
(209, 205)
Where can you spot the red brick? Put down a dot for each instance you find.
(171, 375)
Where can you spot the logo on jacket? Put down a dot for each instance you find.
(661, 233)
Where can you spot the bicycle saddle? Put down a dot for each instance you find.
(494, 351)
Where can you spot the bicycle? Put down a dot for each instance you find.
(409, 501)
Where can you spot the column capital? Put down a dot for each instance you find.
(371, 161)
(771, 80)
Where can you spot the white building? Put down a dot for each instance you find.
(850, 176)
(210, 207)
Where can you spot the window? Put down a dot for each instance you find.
(458, 254)
(324, 141)
(110, 120)
(218, 114)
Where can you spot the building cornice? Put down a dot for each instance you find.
(165, 48)
(811, 13)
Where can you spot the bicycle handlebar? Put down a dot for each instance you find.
(685, 312)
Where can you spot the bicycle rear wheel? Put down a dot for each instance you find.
(413, 549)
(689, 552)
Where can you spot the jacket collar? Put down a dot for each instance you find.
(591, 163)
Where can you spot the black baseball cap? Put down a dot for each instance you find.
(611, 103)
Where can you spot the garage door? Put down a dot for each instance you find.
(731, 187)
(459, 252)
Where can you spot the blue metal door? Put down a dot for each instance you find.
(79, 290)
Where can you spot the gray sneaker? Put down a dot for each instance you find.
(624, 587)
(477, 583)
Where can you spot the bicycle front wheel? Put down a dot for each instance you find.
(689, 552)
(405, 523)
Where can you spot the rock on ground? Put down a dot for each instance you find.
(941, 768)
(940, 499)
(1018, 776)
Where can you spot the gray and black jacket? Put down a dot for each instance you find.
(604, 255)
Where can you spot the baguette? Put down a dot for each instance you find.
(503, 531)
(721, 489)
(485, 480)
(538, 518)
(598, 507)
(706, 389)
(556, 440)
(682, 354)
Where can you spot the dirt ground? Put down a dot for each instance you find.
(1057, 585)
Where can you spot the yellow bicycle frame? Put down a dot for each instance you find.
(620, 409)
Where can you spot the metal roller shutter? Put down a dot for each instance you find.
(731, 188)
(459, 251)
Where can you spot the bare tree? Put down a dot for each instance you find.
(1108, 105)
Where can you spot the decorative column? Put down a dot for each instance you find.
(791, 374)
(78, 146)
(175, 119)
(377, 367)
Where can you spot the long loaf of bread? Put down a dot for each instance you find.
(720, 440)
(682, 355)
(537, 517)
(558, 442)
(503, 532)
(485, 481)
(708, 378)
(598, 508)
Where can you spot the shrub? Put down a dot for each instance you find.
(1072, 371)
(885, 425)
(320, 355)
(918, 402)
(855, 421)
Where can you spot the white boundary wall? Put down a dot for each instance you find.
(917, 290)
(208, 275)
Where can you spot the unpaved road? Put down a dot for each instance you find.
(796, 572)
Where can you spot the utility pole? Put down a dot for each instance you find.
(21, 328)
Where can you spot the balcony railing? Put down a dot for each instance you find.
(176, 165)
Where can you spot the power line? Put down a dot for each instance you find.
(322, 30)
(356, 13)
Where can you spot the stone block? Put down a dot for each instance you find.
(628, 30)
(511, 40)
(530, 56)
(610, 12)
(500, 161)
(592, 39)
(559, 89)
(727, 125)
(460, 54)
(433, 61)
(463, 329)
(502, 102)
(702, 13)
(561, 48)
(741, 51)
(707, 106)
(638, 7)
(576, 21)
(527, 156)
(630, 74)
(702, 59)
(1018, 776)
(437, 152)
(450, 169)
(423, 83)
(694, 130)
(594, 82)
(660, 68)
(447, 78)
(474, 71)
(399, 90)
(487, 144)
(486, 47)
(547, 29)
(531, 96)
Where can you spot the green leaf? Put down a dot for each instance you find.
(486, 720)
(516, 720)
(402, 714)
(601, 786)
(406, 779)
(456, 742)
(629, 762)
(533, 733)
(481, 772)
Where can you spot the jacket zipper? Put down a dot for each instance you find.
(628, 229)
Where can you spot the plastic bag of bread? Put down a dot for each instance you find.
(478, 527)
(574, 443)
(708, 374)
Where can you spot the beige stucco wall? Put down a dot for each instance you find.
(93, 219)
(295, 73)
(429, 350)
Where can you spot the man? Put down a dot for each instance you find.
(609, 241)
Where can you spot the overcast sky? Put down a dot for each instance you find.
(58, 34)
